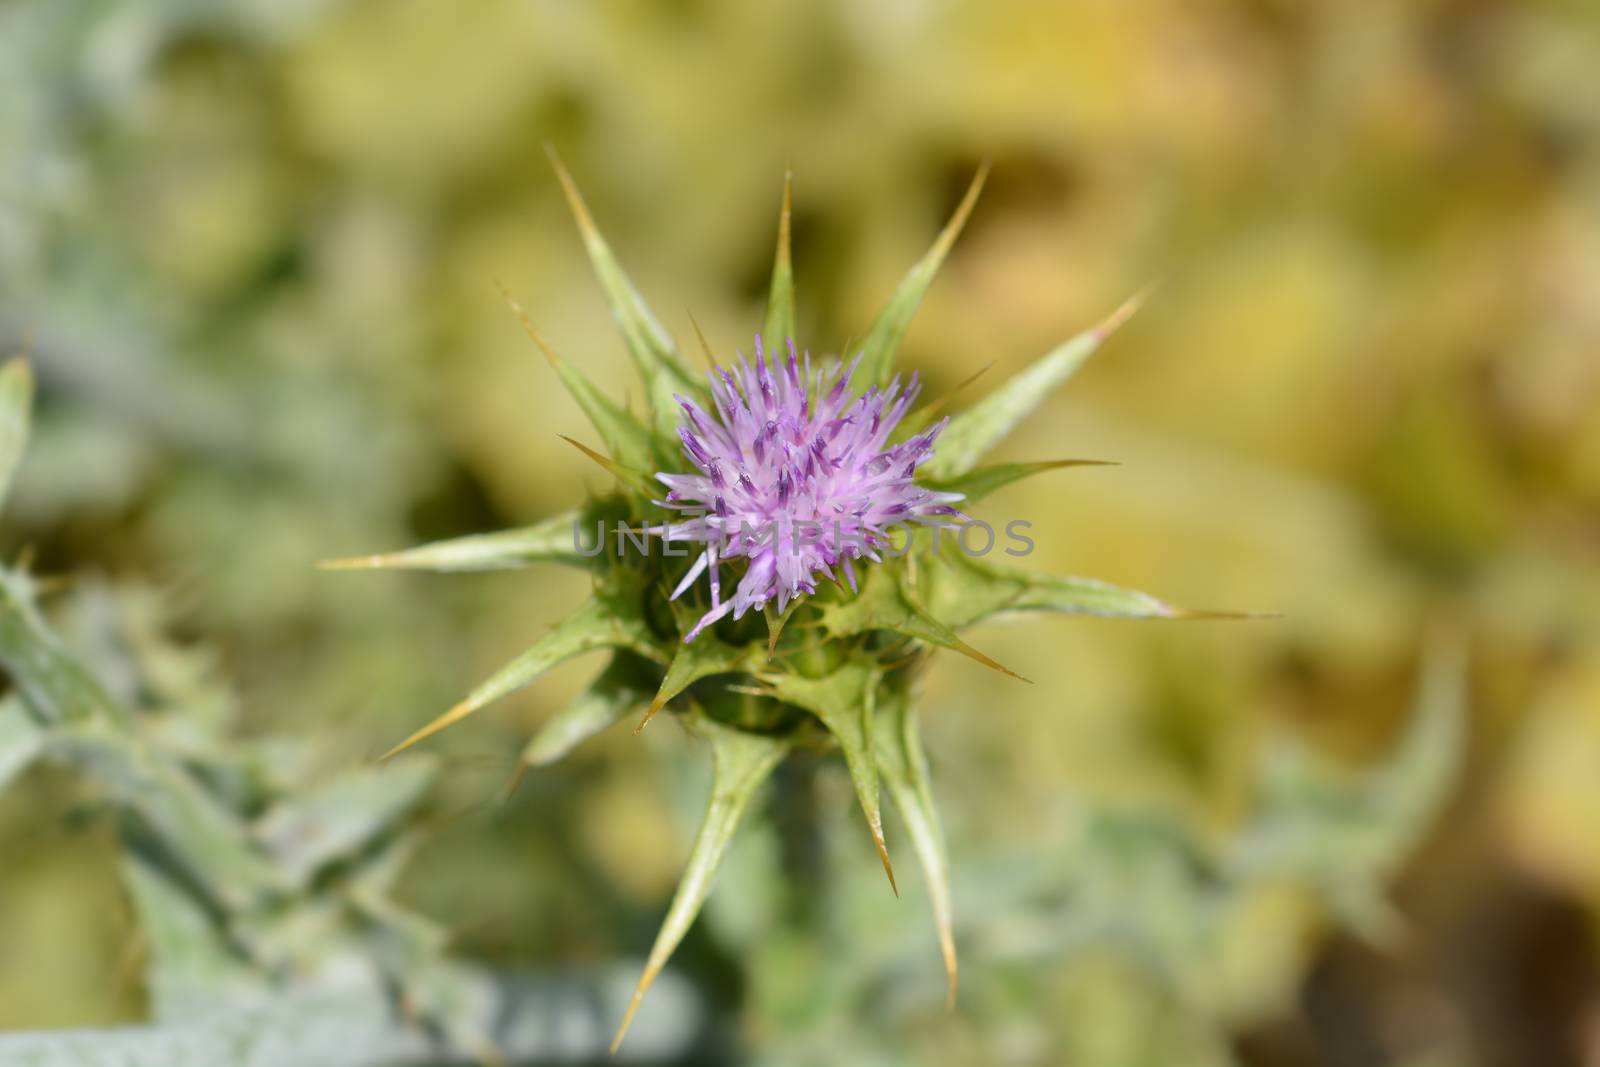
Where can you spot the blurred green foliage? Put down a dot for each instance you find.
(251, 249)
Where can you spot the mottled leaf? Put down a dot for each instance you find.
(610, 620)
(904, 771)
(883, 339)
(971, 434)
(647, 342)
(741, 761)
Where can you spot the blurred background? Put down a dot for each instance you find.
(250, 247)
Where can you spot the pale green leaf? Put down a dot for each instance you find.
(971, 434)
(741, 761)
(883, 339)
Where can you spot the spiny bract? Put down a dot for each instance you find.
(847, 673)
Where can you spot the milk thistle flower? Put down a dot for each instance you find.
(789, 477)
(797, 477)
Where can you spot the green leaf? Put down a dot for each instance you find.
(312, 829)
(21, 740)
(845, 701)
(904, 771)
(779, 327)
(741, 761)
(610, 619)
(551, 540)
(623, 687)
(648, 343)
(979, 483)
(628, 440)
(883, 339)
(971, 434)
(16, 404)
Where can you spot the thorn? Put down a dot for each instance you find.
(655, 705)
(952, 229)
(875, 824)
(972, 653)
(628, 477)
(449, 718)
(528, 326)
(1188, 615)
(651, 969)
(705, 348)
(947, 948)
(1125, 311)
(509, 790)
(357, 563)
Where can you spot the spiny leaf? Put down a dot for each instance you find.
(963, 590)
(980, 482)
(741, 761)
(904, 770)
(698, 659)
(628, 439)
(971, 434)
(883, 339)
(551, 540)
(883, 603)
(16, 403)
(647, 342)
(779, 328)
(597, 624)
(623, 686)
(845, 700)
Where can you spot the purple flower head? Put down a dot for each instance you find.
(797, 477)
